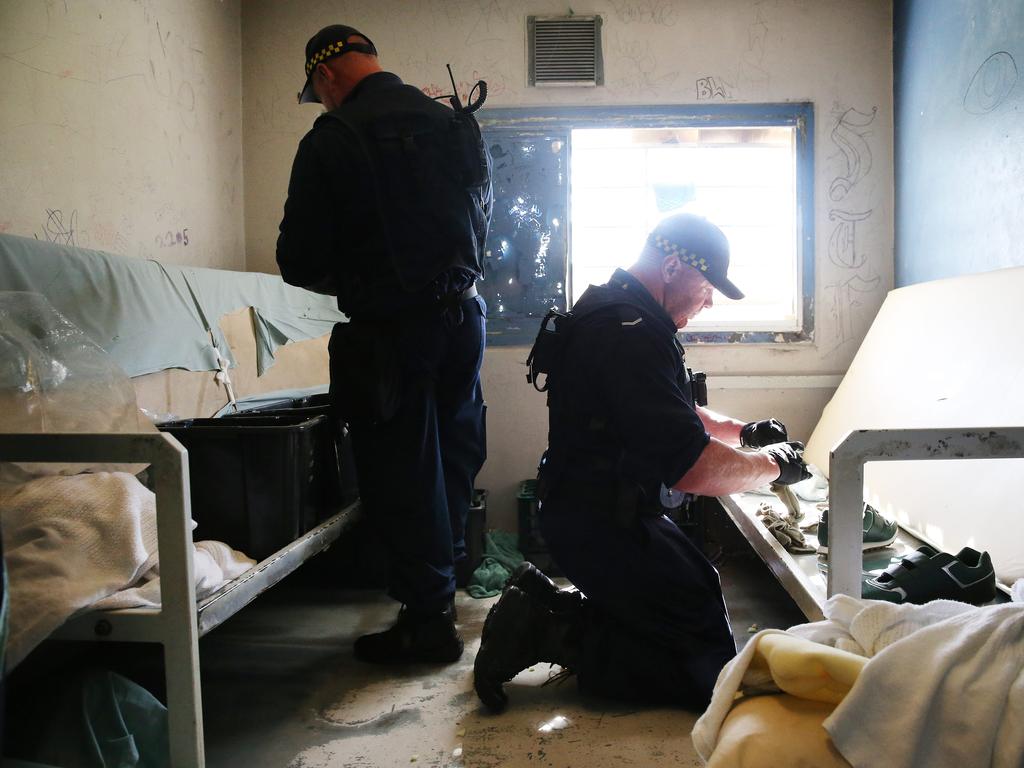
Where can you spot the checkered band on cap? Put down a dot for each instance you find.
(685, 256)
(325, 53)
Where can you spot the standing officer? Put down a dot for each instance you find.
(649, 622)
(388, 208)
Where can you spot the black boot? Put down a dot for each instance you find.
(531, 580)
(522, 632)
(413, 638)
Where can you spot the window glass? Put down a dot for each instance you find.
(577, 189)
(525, 257)
(623, 181)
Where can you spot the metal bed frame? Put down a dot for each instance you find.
(846, 480)
(799, 574)
(180, 621)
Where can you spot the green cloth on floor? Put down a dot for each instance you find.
(500, 558)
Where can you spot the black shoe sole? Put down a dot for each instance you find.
(504, 620)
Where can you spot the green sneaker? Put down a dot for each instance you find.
(928, 574)
(878, 531)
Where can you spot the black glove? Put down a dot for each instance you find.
(758, 434)
(790, 458)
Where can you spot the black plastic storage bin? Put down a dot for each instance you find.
(333, 445)
(255, 481)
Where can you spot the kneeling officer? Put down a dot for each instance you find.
(649, 622)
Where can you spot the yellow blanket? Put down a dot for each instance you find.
(806, 669)
(743, 728)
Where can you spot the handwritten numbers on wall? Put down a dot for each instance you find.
(170, 239)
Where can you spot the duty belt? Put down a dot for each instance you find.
(423, 306)
(451, 306)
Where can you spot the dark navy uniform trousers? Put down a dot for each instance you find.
(655, 628)
(416, 470)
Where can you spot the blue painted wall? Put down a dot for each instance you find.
(959, 95)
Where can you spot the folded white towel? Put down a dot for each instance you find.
(945, 695)
(213, 563)
(72, 541)
(866, 627)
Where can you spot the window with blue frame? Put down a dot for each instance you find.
(577, 190)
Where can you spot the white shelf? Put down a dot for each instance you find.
(805, 577)
(798, 574)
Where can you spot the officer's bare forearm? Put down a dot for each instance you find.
(725, 428)
(721, 469)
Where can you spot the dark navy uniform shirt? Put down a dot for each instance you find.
(623, 389)
(331, 228)
(335, 227)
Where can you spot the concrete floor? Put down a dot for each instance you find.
(281, 688)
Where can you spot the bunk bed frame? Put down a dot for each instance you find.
(809, 581)
(180, 621)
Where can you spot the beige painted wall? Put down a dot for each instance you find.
(124, 124)
(120, 126)
(835, 53)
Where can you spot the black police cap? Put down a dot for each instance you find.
(699, 244)
(326, 44)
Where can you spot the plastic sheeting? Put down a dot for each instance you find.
(151, 316)
(53, 378)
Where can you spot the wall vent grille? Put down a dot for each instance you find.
(564, 50)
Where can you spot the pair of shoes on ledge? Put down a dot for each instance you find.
(928, 574)
(878, 531)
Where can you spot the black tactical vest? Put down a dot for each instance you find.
(431, 180)
(582, 442)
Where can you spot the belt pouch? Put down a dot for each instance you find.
(366, 380)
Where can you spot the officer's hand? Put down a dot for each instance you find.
(758, 434)
(790, 458)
